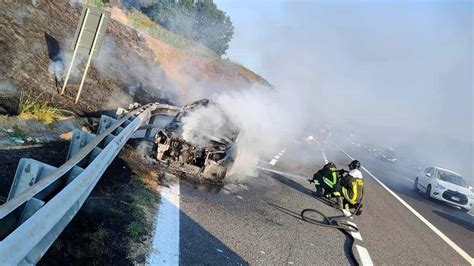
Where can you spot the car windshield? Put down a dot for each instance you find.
(452, 178)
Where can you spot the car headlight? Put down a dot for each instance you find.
(438, 186)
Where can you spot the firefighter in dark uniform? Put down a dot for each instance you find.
(326, 180)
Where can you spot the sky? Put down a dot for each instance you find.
(394, 71)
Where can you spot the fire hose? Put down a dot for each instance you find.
(333, 222)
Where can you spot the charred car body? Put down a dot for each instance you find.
(211, 157)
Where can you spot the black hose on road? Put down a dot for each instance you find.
(334, 222)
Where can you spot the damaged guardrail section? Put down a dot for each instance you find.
(43, 199)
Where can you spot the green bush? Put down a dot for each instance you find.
(201, 21)
(97, 242)
(134, 231)
(96, 3)
(141, 21)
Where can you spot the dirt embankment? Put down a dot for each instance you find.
(132, 66)
(34, 53)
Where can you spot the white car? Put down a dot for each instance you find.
(446, 186)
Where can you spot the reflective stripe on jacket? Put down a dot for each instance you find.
(331, 181)
(353, 190)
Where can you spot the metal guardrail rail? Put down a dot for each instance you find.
(43, 199)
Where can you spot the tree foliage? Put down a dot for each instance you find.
(200, 20)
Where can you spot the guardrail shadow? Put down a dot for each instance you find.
(199, 247)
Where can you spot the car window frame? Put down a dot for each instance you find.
(434, 173)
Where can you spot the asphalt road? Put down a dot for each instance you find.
(256, 221)
(456, 224)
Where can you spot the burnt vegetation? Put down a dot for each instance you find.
(115, 223)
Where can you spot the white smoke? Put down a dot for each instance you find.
(137, 73)
(376, 69)
(202, 122)
(56, 69)
(60, 63)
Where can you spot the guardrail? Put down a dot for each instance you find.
(43, 199)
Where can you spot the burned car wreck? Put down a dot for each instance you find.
(198, 142)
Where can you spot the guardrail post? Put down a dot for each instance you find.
(148, 131)
(27, 174)
(78, 141)
(105, 122)
(32, 206)
(29, 226)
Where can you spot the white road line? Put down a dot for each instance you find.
(446, 239)
(355, 235)
(364, 256)
(470, 214)
(276, 157)
(324, 157)
(165, 245)
(281, 173)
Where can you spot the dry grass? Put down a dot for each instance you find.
(31, 109)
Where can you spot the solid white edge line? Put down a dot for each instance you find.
(446, 239)
(273, 162)
(364, 256)
(165, 243)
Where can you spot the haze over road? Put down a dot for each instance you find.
(258, 222)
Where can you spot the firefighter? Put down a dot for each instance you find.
(325, 180)
(351, 187)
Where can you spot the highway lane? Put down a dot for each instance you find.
(456, 224)
(257, 221)
(393, 233)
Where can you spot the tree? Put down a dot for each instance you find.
(213, 27)
(199, 20)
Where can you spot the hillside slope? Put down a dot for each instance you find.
(132, 66)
